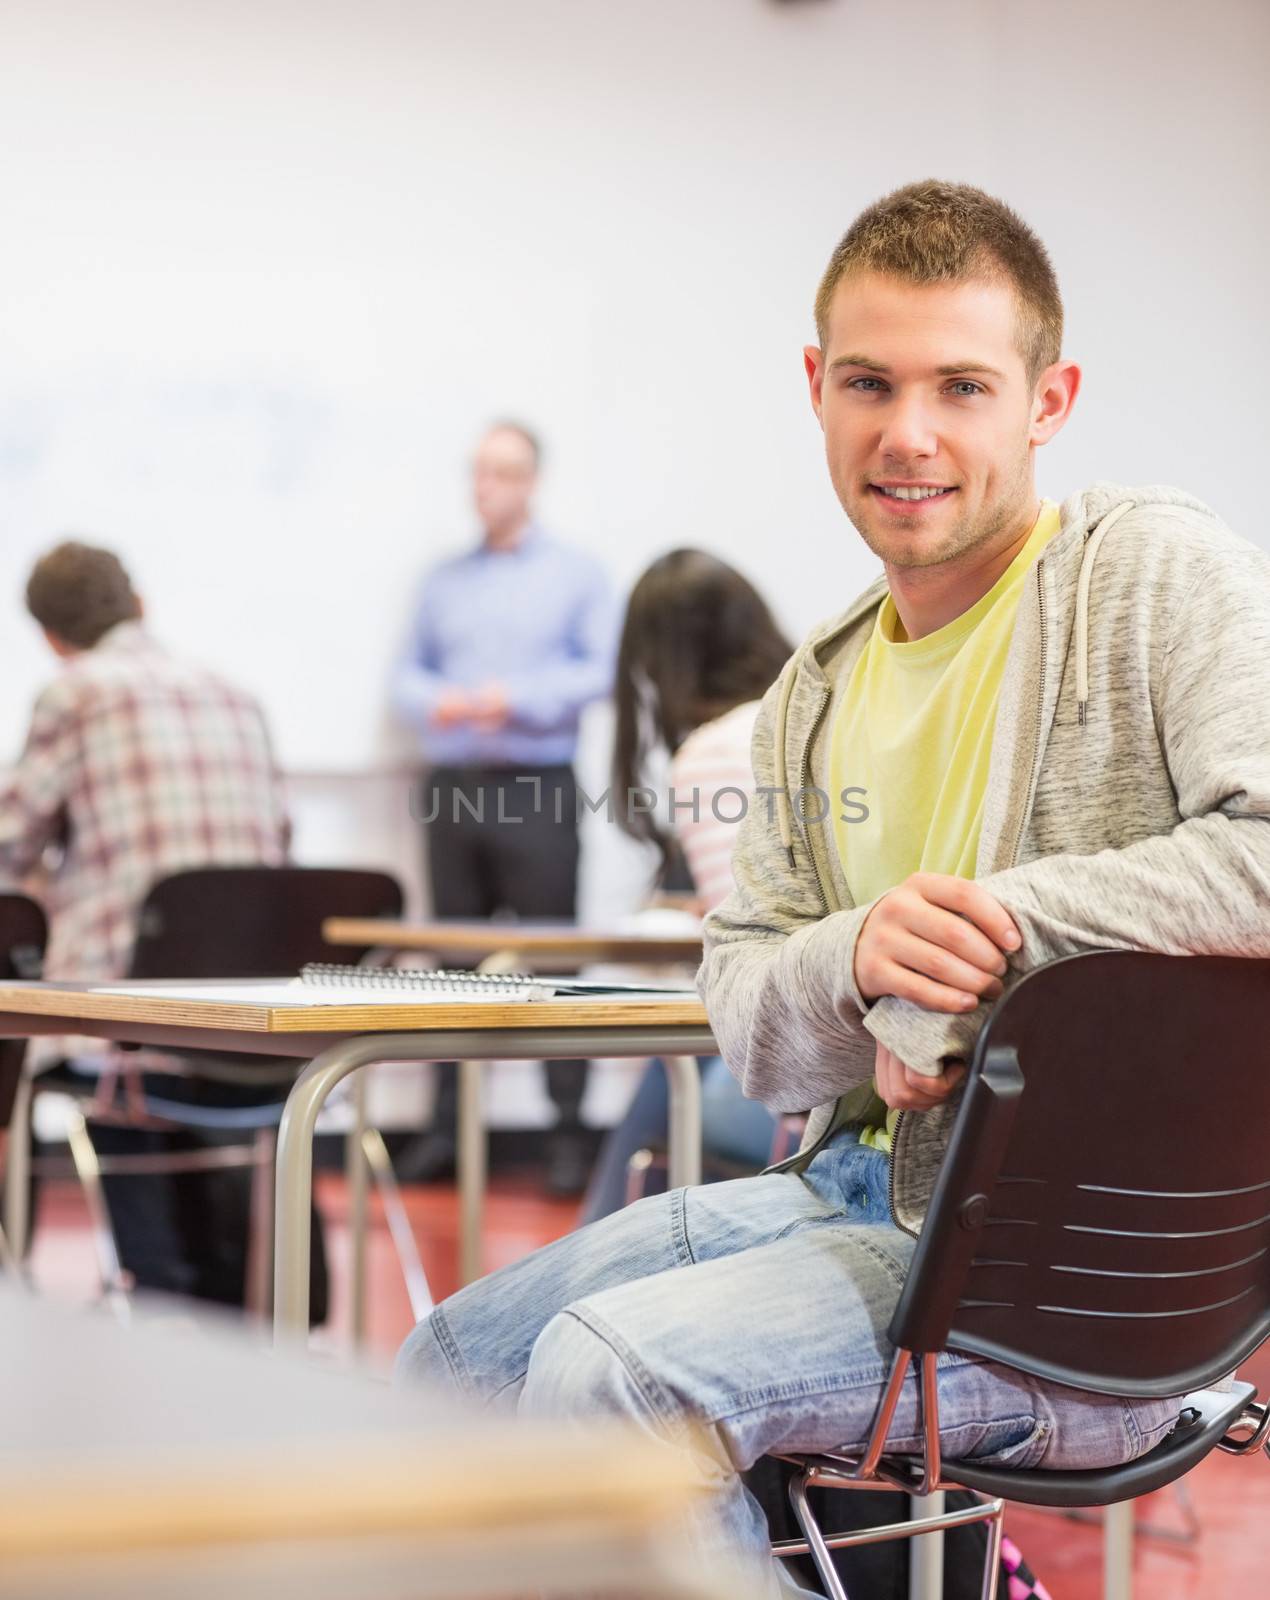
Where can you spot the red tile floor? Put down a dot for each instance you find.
(1229, 1496)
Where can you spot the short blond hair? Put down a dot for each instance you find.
(933, 232)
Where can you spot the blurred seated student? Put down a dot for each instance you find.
(137, 764)
(699, 649)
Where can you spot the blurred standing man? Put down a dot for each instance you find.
(510, 641)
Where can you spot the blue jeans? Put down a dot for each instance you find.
(754, 1313)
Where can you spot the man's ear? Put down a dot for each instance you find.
(60, 648)
(814, 362)
(1052, 401)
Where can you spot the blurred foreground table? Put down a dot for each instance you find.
(143, 1462)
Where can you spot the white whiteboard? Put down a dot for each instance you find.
(275, 506)
(267, 268)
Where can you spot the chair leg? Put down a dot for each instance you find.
(380, 1164)
(926, 1563)
(1117, 1551)
(637, 1170)
(816, 1545)
(114, 1283)
(992, 1562)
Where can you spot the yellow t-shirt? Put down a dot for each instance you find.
(914, 731)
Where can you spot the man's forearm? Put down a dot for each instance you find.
(786, 1015)
(1203, 889)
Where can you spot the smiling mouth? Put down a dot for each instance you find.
(911, 495)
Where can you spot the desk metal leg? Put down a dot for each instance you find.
(1117, 1551)
(311, 1087)
(357, 1175)
(472, 1164)
(295, 1178)
(473, 1141)
(684, 1154)
(259, 1287)
(17, 1169)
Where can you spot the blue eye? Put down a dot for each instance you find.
(964, 386)
(858, 383)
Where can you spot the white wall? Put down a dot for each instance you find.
(267, 266)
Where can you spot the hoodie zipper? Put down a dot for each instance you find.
(801, 1157)
(1014, 848)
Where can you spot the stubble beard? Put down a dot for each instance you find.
(966, 535)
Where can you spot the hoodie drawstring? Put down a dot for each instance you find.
(1092, 542)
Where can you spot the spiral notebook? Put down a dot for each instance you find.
(327, 984)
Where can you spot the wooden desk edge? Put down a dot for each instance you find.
(71, 1006)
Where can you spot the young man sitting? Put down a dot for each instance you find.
(1047, 724)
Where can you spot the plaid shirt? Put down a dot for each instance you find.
(137, 765)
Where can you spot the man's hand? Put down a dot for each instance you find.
(906, 1090)
(489, 707)
(451, 707)
(935, 940)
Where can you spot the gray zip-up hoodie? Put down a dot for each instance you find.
(1127, 807)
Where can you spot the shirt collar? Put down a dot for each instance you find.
(530, 538)
(126, 635)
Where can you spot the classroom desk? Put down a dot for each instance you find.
(498, 947)
(142, 1462)
(338, 1040)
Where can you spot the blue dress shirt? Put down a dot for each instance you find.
(540, 619)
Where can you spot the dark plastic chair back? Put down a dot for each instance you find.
(1102, 1216)
(253, 922)
(23, 931)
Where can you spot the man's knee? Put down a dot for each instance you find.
(582, 1369)
(423, 1360)
(577, 1370)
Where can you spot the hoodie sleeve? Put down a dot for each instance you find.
(777, 976)
(1201, 889)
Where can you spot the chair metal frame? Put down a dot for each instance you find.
(654, 1159)
(926, 1318)
(89, 1167)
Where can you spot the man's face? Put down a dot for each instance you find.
(925, 387)
(503, 478)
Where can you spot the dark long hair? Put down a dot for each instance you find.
(698, 640)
